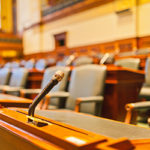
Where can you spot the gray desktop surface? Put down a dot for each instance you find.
(106, 127)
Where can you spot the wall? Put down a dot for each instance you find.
(28, 13)
(97, 25)
(31, 41)
(143, 19)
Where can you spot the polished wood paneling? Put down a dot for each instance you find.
(122, 86)
(144, 42)
(14, 101)
(116, 47)
(109, 47)
(34, 81)
(127, 44)
(55, 132)
(17, 132)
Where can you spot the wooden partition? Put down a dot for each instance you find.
(122, 86)
(109, 47)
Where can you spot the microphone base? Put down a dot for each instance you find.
(37, 122)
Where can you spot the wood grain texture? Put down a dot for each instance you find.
(53, 133)
(122, 87)
(17, 133)
(14, 101)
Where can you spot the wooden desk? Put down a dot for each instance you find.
(14, 101)
(106, 127)
(34, 79)
(122, 86)
(16, 132)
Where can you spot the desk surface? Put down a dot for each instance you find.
(7, 100)
(106, 127)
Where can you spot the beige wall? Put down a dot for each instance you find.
(28, 13)
(144, 20)
(97, 25)
(31, 41)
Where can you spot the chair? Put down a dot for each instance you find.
(15, 64)
(143, 95)
(30, 64)
(82, 60)
(127, 53)
(22, 63)
(4, 76)
(142, 51)
(40, 64)
(51, 62)
(131, 63)
(57, 90)
(8, 65)
(17, 81)
(145, 90)
(137, 107)
(86, 89)
(62, 62)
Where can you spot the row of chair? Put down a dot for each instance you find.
(131, 63)
(11, 81)
(74, 60)
(75, 89)
(41, 64)
(134, 53)
(85, 88)
(30, 64)
(108, 58)
(134, 63)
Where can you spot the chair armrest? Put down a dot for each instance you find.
(138, 105)
(23, 92)
(11, 89)
(59, 94)
(30, 91)
(90, 99)
(135, 106)
(3, 86)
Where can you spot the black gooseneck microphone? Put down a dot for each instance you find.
(104, 58)
(58, 76)
(70, 60)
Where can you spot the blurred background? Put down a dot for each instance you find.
(56, 28)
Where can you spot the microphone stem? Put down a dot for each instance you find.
(39, 97)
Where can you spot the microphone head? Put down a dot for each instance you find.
(58, 76)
